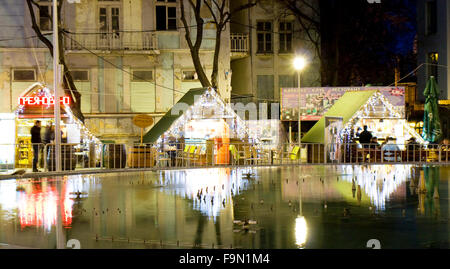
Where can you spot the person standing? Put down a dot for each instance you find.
(36, 141)
(49, 137)
(365, 137)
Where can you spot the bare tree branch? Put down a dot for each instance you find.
(68, 83)
(195, 48)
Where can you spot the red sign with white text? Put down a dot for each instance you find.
(42, 100)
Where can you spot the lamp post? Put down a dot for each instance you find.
(57, 114)
(56, 80)
(299, 65)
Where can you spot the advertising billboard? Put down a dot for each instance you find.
(315, 102)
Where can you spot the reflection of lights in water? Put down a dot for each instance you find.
(379, 190)
(220, 183)
(301, 231)
(8, 195)
(39, 207)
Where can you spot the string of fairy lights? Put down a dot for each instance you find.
(208, 98)
(41, 90)
(371, 103)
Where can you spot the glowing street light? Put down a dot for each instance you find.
(299, 64)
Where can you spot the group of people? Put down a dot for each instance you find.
(389, 145)
(37, 141)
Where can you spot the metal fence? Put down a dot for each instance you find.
(210, 154)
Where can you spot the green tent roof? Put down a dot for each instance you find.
(166, 121)
(345, 107)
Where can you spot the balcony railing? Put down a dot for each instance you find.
(239, 43)
(127, 41)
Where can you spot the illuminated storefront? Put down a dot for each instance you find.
(36, 103)
(208, 126)
(358, 109)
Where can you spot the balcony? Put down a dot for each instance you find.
(239, 45)
(119, 41)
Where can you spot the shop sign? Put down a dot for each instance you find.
(143, 121)
(42, 100)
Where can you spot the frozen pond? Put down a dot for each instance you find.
(402, 206)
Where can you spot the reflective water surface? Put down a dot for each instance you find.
(402, 206)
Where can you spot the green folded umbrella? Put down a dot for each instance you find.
(432, 131)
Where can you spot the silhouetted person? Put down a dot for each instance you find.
(374, 143)
(365, 137)
(36, 141)
(49, 134)
(412, 144)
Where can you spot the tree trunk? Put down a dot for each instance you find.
(215, 71)
(68, 84)
(195, 48)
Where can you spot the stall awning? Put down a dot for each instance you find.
(166, 121)
(345, 107)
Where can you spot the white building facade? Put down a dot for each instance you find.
(126, 57)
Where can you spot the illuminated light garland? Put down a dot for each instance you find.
(389, 107)
(209, 98)
(86, 135)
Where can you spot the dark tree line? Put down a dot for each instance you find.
(359, 43)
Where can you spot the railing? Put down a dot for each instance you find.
(239, 43)
(77, 157)
(129, 41)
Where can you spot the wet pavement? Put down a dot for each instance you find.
(312, 207)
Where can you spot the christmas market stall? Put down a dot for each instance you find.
(79, 145)
(201, 129)
(339, 128)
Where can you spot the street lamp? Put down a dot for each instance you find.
(299, 65)
(56, 80)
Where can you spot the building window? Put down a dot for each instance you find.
(265, 89)
(285, 37)
(189, 75)
(166, 15)
(80, 75)
(142, 75)
(431, 17)
(264, 36)
(288, 81)
(433, 60)
(24, 75)
(45, 15)
(109, 17)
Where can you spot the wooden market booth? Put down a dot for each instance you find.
(78, 143)
(339, 124)
(203, 126)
